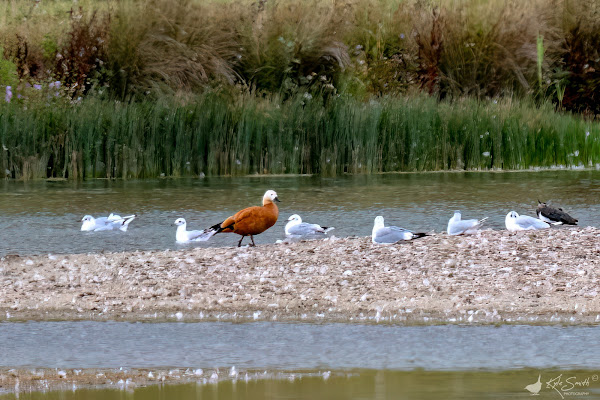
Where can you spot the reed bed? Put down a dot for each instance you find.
(224, 135)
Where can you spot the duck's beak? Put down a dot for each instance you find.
(277, 200)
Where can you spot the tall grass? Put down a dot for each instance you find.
(447, 48)
(221, 135)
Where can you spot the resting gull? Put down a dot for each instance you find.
(295, 227)
(391, 234)
(457, 226)
(515, 222)
(184, 236)
(113, 221)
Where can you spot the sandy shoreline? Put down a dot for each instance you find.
(493, 277)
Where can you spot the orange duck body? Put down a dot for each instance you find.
(252, 220)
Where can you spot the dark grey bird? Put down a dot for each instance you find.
(555, 216)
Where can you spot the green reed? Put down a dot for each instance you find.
(245, 134)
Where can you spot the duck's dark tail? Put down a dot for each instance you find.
(217, 228)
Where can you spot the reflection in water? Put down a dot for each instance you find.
(42, 217)
(294, 346)
(365, 384)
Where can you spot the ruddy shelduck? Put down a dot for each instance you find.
(252, 220)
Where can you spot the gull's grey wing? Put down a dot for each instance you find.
(391, 234)
(102, 224)
(527, 222)
(399, 229)
(305, 229)
(462, 226)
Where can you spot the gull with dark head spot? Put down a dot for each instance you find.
(515, 222)
(295, 227)
(113, 221)
(382, 234)
(184, 236)
(458, 226)
(554, 216)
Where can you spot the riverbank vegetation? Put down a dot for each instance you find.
(142, 88)
(220, 135)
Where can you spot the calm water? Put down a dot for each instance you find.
(328, 361)
(376, 385)
(296, 346)
(43, 217)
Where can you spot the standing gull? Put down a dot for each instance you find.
(554, 216)
(457, 226)
(515, 222)
(184, 236)
(295, 227)
(391, 234)
(252, 220)
(109, 223)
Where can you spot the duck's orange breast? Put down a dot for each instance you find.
(252, 220)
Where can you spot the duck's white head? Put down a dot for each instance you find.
(295, 217)
(180, 221)
(270, 197)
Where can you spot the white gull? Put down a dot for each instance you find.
(391, 234)
(295, 227)
(515, 222)
(113, 221)
(458, 226)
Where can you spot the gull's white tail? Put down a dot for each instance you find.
(125, 221)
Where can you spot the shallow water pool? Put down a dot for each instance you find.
(43, 217)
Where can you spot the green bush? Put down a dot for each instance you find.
(8, 71)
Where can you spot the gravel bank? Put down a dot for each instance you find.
(493, 277)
